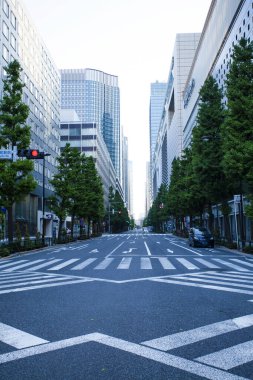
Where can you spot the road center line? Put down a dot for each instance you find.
(115, 249)
(149, 253)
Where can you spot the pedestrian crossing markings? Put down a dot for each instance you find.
(125, 263)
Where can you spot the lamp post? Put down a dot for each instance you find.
(43, 198)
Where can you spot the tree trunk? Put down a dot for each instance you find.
(10, 224)
(72, 225)
(88, 228)
(225, 208)
(60, 228)
(211, 218)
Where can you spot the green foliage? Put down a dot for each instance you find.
(15, 177)
(237, 128)
(119, 217)
(78, 188)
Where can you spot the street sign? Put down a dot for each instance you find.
(6, 154)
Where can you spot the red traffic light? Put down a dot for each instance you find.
(34, 153)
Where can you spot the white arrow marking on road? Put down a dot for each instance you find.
(130, 250)
(169, 250)
(94, 251)
(158, 242)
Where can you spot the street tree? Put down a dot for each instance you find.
(237, 128)
(64, 183)
(94, 195)
(15, 177)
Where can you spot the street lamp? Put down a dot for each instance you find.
(43, 198)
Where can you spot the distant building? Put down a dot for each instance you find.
(88, 139)
(95, 97)
(169, 143)
(125, 181)
(20, 40)
(148, 189)
(156, 107)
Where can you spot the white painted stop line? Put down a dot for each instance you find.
(17, 338)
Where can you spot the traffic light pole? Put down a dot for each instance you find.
(43, 203)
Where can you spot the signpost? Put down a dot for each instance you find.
(9, 154)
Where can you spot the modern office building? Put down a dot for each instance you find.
(226, 23)
(88, 139)
(156, 106)
(20, 40)
(169, 142)
(148, 189)
(95, 97)
(125, 181)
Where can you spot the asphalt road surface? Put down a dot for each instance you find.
(123, 307)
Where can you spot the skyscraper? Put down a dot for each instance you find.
(157, 98)
(95, 97)
(20, 40)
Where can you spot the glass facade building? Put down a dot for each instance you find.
(157, 99)
(20, 40)
(95, 97)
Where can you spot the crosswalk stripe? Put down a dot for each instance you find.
(210, 281)
(224, 277)
(207, 263)
(10, 264)
(230, 265)
(105, 263)
(187, 263)
(198, 285)
(243, 262)
(23, 265)
(230, 357)
(125, 263)
(84, 264)
(28, 282)
(30, 277)
(184, 338)
(54, 284)
(18, 338)
(63, 265)
(145, 263)
(44, 265)
(166, 264)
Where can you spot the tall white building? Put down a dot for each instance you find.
(169, 143)
(20, 40)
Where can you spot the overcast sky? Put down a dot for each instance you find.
(132, 39)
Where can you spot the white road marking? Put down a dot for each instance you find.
(64, 264)
(197, 285)
(207, 264)
(105, 263)
(30, 277)
(184, 338)
(169, 250)
(243, 262)
(230, 265)
(14, 290)
(187, 249)
(187, 263)
(210, 281)
(23, 265)
(94, 251)
(148, 251)
(84, 264)
(186, 365)
(125, 263)
(115, 249)
(12, 263)
(230, 357)
(129, 251)
(18, 338)
(47, 264)
(166, 264)
(145, 263)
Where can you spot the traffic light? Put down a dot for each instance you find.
(31, 154)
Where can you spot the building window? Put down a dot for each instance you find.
(13, 20)
(64, 138)
(5, 30)
(13, 41)
(6, 8)
(5, 53)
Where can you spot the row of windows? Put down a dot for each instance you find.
(85, 149)
(73, 126)
(6, 10)
(77, 137)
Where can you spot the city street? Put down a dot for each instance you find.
(131, 306)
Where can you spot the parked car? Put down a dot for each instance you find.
(200, 237)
